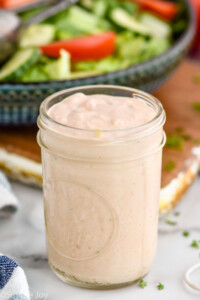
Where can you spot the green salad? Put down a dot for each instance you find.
(91, 38)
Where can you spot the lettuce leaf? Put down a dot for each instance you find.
(60, 69)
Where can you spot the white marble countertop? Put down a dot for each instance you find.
(22, 237)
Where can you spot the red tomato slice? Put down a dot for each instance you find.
(92, 47)
(9, 4)
(165, 9)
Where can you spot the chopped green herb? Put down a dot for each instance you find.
(195, 244)
(186, 137)
(170, 166)
(180, 132)
(179, 129)
(196, 106)
(197, 142)
(186, 233)
(142, 284)
(177, 213)
(174, 141)
(169, 222)
(197, 79)
(160, 286)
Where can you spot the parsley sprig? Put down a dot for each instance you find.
(195, 244)
(160, 286)
(186, 233)
(196, 106)
(170, 166)
(197, 79)
(142, 284)
(177, 213)
(169, 222)
(175, 141)
(197, 142)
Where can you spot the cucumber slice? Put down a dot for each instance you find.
(100, 8)
(36, 35)
(158, 27)
(123, 19)
(86, 22)
(82, 20)
(88, 4)
(19, 63)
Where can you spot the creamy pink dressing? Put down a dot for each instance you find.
(101, 112)
(101, 199)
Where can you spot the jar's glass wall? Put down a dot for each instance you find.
(101, 201)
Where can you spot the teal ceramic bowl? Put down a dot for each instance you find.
(19, 102)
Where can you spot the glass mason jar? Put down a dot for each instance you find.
(101, 195)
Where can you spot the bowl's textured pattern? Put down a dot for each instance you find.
(19, 102)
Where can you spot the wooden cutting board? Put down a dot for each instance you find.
(20, 154)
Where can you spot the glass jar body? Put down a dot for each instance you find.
(101, 206)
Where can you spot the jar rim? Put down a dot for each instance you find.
(158, 120)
